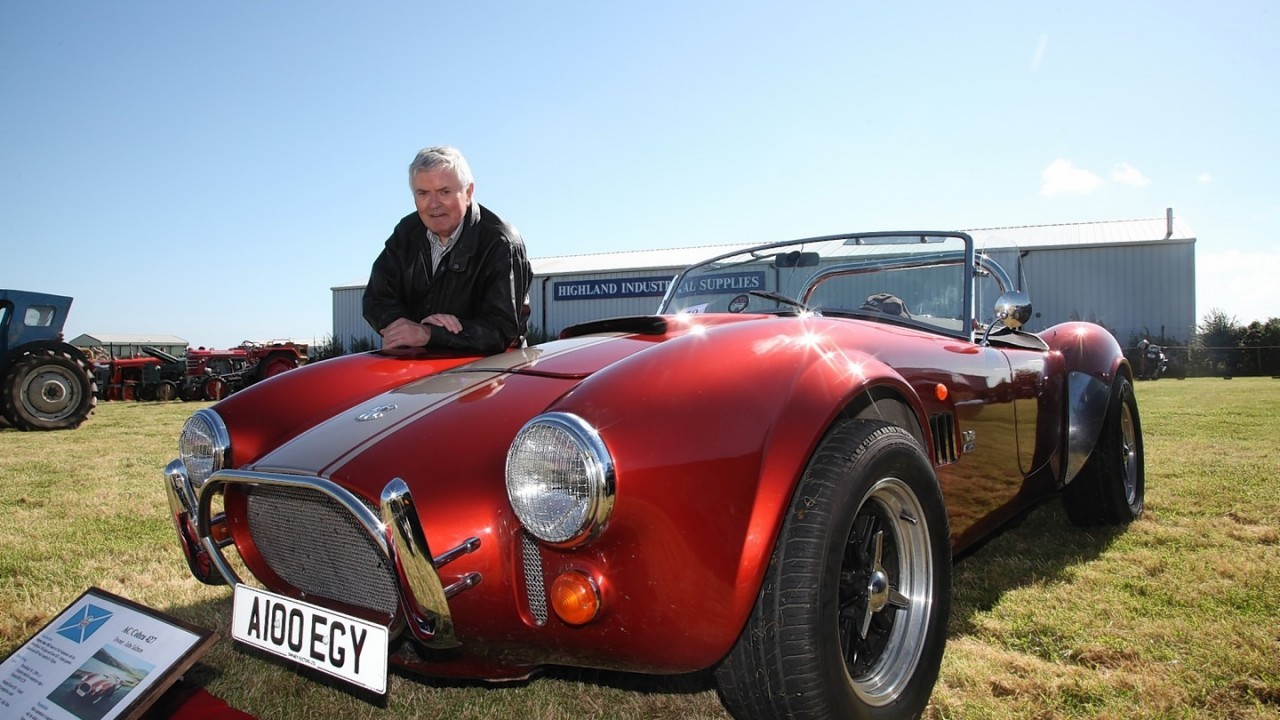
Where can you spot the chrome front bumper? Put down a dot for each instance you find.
(397, 536)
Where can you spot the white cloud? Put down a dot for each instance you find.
(1041, 46)
(1126, 174)
(1204, 178)
(1239, 283)
(1064, 178)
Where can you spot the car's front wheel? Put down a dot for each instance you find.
(851, 620)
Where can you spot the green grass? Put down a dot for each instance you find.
(1177, 616)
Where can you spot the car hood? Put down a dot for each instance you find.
(459, 421)
(430, 415)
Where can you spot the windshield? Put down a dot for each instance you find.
(916, 278)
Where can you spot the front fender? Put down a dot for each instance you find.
(708, 450)
(1093, 360)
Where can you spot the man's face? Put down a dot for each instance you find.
(441, 200)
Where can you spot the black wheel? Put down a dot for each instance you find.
(1111, 487)
(48, 390)
(166, 390)
(852, 617)
(214, 388)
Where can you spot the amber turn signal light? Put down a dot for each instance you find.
(940, 391)
(575, 598)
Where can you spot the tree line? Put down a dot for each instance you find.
(1222, 346)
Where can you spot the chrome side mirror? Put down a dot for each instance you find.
(1013, 309)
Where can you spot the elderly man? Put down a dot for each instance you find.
(453, 274)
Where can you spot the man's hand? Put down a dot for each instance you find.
(448, 322)
(404, 332)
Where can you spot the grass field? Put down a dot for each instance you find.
(1177, 616)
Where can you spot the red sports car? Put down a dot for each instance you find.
(767, 477)
(93, 687)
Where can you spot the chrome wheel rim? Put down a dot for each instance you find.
(1129, 453)
(886, 592)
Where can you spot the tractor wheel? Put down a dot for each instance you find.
(214, 388)
(48, 390)
(166, 391)
(129, 392)
(276, 364)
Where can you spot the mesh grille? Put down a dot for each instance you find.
(315, 545)
(533, 582)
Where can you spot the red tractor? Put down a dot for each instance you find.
(156, 375)
(205, 374)
(214, 374)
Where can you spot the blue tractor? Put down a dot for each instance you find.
(45, 383)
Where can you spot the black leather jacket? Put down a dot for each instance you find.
(483, 280)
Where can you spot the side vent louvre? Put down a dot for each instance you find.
(944, 438)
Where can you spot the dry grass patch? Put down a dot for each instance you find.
(1177, 616)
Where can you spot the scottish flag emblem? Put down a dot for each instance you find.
(84, 623)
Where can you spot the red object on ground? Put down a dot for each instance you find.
(197, 704)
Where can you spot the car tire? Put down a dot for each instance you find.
(852, 617)
(1111, 487)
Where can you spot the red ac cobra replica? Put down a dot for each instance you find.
(768, 477)
(93, 687)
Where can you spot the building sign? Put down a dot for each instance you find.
(615, 288)
(721, 283)
(610, 288)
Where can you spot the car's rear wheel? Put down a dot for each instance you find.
(1111, 487)
(851, 620)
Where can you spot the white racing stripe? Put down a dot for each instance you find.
(350, 432)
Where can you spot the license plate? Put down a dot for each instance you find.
(331, 642)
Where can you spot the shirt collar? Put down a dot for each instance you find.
(453, 237)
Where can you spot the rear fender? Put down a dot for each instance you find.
(1093, 360)
(40, 346)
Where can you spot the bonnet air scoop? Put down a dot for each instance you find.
(636, 324)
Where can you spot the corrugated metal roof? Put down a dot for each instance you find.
(131, 339)
(1111, 232)
(631, 259)
(1114, 232)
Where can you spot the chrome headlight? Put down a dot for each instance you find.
(203, 446)
(560, 478)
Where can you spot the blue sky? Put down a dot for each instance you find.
(211, 170)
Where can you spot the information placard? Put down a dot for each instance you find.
(103, 657)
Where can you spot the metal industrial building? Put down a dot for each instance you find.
(127, 345)
(1135, 277)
